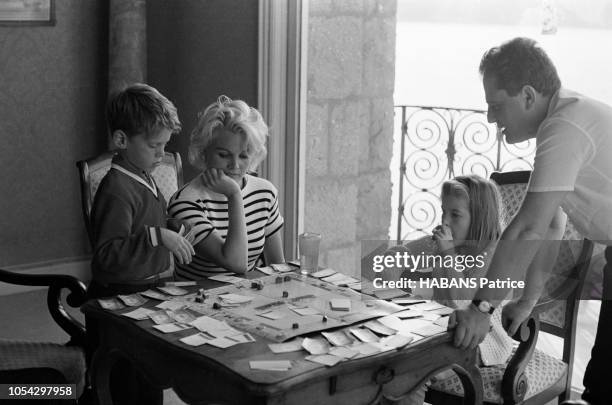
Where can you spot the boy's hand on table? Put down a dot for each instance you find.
(219, 182)
(179, 246)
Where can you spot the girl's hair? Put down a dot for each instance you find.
(232, 115)
(484, 201)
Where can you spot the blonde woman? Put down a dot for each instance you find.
(232, 216)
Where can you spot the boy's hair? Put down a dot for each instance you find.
(484, 204)
(141, 109)
(232, 115)
(520, 62)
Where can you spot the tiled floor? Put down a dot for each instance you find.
(25, 316)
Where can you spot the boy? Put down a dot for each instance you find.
(128, 217)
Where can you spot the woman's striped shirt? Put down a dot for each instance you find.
(206, 211)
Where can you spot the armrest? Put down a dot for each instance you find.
(55, 283)
(514, 382)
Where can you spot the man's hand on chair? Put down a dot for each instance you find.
(514, 314)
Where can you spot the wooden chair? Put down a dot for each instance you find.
(530, 376)
(47, 363)
(168, 177)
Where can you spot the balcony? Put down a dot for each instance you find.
(437, 144)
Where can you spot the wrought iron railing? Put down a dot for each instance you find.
(437, 144)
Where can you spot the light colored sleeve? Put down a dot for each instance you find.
(562, 150)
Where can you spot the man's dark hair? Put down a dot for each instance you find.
(520, 62)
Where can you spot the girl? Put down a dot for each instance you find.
(232, 216)
(470, 228)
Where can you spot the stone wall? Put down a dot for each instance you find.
(349, 127)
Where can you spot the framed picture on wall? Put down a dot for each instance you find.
(27, 12)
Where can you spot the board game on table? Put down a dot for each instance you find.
(280, 307)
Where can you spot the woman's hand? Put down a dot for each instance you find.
(444, 238)
(219, 182)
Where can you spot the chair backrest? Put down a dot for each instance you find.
(564, 285)
(168, 176)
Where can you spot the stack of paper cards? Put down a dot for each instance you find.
(226, 279)
(266, 270)
(429, 330)
(274, 315)
(337, 338)
(160, 317)
(282, 267)
(389, 293)
(340, 279)
(429, 306)
(179, 283)
(324, 273)
(294, 345)
(340, 304)
(234, 299)
(270, 365)
(443, 311)
(328, 360)
(409, 314)
(343, 352)
(195, 340)
(214, 327)
(396, 341)
(366, 349)
(172, 305)
(181, 316)
(111, 304)
(355, 286)
(171, 327)
(365, 335)
(377, 327)
(315, 345)
(304, 311)
(132, 300)
(406, 301)
(173, 290)
(139, 314)
(155, 295)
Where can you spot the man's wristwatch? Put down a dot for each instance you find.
(483, 306)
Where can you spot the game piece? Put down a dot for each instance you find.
(278, 280)
(255, 285)
(216, 305)
(324, 319)
(287, 278)
(285, 294)
(295, 325)
(199, 299)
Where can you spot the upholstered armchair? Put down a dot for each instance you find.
(531, 376)
(168, 176)
(42, 362)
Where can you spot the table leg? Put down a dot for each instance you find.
(101, 365)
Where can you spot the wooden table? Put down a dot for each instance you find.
(206, 374)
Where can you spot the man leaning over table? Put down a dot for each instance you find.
(572, 170)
